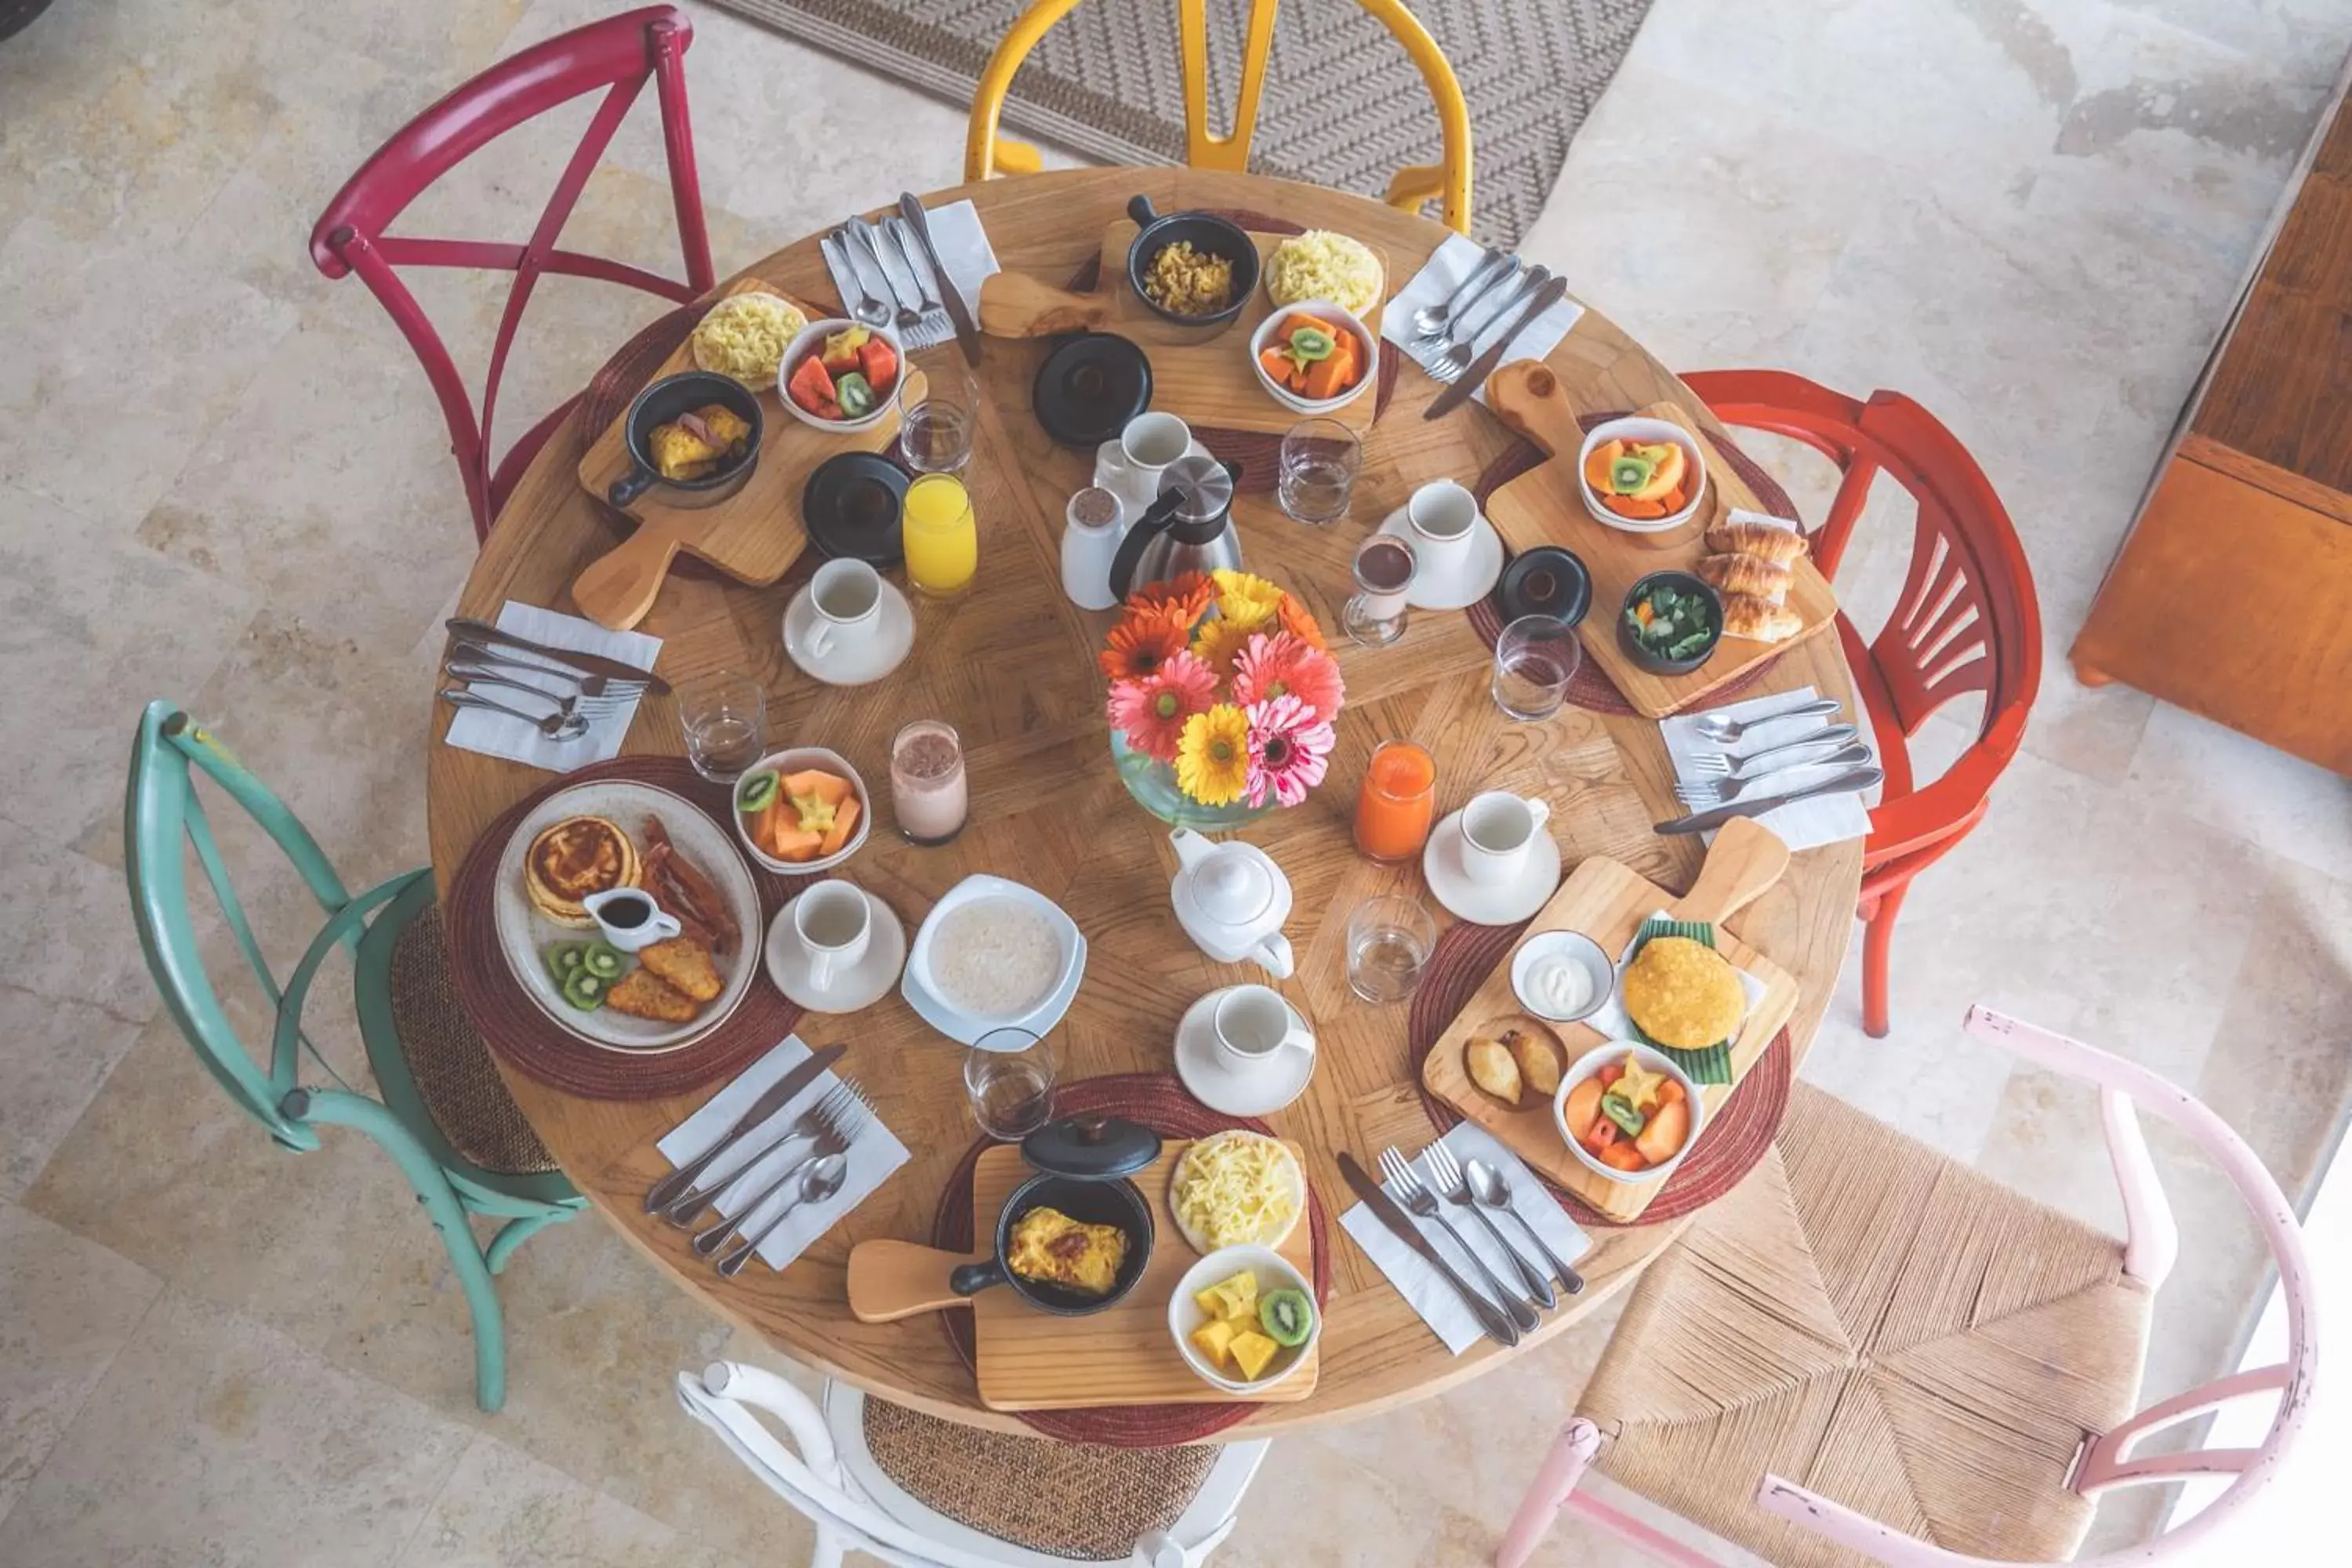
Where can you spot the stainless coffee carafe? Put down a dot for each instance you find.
(1189, 529)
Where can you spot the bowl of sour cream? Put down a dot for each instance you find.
(1562, 976)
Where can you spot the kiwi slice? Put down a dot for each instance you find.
(1309, 344)
(758, 790)
(1628, 474)
(563, 960)
(585, 990)
(602, 959)
(1288, 1316)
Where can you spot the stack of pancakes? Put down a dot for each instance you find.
(574, 860)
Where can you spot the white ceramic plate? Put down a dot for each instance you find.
(524, 934)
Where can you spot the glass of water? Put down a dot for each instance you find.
(1535, 659)
(1316, 471)
(1390, 939)
(936, 435)
(725, 716)
(1010, 1074)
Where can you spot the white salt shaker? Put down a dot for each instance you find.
(1093, 526)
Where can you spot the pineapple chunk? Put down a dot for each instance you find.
(1239, 1298)
(1211, 1302)
(1213, 1339)
(1251, 1351)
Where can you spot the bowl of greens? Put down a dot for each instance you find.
(1671, 623)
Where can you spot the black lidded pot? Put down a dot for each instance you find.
(1082, 1166)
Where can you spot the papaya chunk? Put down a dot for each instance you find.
(844, 822)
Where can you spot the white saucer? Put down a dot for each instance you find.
(859, 661)
(859, 985)
(1455, 590)
(1217, 1081)
(1450, 883)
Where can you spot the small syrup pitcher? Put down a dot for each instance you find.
(1232, 899)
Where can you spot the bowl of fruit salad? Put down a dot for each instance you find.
(1244, 1319)
(1315, 357)
(801, 811)
(1642, 477)
(841, 375)
(1628, 1111)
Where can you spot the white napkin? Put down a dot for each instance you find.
(1424, 1289)
(1807, 824)
(873, 1155)
(964, 252)
(1449, 266)
(1610, 1017)
(497, 735)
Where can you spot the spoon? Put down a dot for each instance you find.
(820, 1182)
(1430, 321)
(481, 675)
(866, 308)
(554, 726)
(1720, 730)
(1492, 1190)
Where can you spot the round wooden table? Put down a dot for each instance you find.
(1012, 665)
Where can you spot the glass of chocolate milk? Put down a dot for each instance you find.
(926, 783)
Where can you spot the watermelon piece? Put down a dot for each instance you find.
(880, 363)
(812, 388)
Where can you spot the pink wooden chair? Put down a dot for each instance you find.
(616, 55)
(1868, 1352)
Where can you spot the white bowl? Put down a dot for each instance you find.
(1338, 318)
(810, 339)
(1577, 949)
(792, 761)
(1592, 1061)
(1036, 1019)
(1649, 432)
(1273, 1272)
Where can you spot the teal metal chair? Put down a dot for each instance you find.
(441, 1113)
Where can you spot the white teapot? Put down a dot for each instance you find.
(1232, 899)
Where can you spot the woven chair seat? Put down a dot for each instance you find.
(455, 1076)
(1878, 1323)
(1068, 1500)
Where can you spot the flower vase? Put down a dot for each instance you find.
(1152, 783)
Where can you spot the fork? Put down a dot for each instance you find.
(1448, 366)
(554, 726)
(483, 674)
(1455, 1188)
(1723, 790)
(464, 646)
(689, 1205)
(863, 233)
(1723, 731)
(1431, 321)
(1399, 1174)
(844, 1117)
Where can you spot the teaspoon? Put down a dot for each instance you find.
(824, 1179)
(1492, 1190)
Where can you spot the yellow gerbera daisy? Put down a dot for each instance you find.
(1212, 755)
(1219, 644)
(1246, 599)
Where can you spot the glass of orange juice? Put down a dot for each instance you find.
(941, 542)
(1397, 802)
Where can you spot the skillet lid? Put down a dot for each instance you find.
(1091, 1148)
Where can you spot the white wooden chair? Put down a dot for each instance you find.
(921, 1492)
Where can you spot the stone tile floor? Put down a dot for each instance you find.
(2031, 215)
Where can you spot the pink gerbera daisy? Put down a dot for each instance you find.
(1151, 710)
(1284, 666)
(1289, 747)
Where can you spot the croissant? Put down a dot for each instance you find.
(1751, 574)
(1778, 546)
(1758, 620)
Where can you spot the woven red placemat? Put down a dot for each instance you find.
(1160, 1102)
(525, 1038)
(1734, 1139)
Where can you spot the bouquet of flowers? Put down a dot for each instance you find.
(1224, 678)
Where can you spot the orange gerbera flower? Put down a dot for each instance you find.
(1296, 620)
(1183, 600)
(1139, 646)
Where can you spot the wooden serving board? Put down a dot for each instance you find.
(1200, 374)
(1546, 506)
(1608, 902)
(1030, 1360)
(754, 535)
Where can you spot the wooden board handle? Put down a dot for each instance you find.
(1014, 305)
(893, 1279)
(1526, 394)
(618, 587)
(1745, 859)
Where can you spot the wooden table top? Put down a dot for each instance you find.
(1011, 664)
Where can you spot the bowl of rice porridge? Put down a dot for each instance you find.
(993, 953)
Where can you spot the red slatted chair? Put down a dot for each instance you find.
(1966, 621)
(617, 55)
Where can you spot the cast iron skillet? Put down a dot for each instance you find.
(1114, 1202)
(664, 401)
(1209, 233)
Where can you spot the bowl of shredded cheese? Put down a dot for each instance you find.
(745, 335)
(1236, 1189)
(1321, 265)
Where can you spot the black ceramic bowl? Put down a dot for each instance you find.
(1209, 233)
(1681, 582)
(664, 401)
(1545, 581)
(851, 507)
(1114, 1201)
(1089, 387)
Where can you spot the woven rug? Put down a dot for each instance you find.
(1104, 81)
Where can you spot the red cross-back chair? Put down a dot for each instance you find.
(1966, 621)
(616, 55)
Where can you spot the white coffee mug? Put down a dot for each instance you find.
(1497, 830)
(1441, 516)
(833, 923)
(629, 918)
(1252, 1024)
(1141, 455)
(847, 598)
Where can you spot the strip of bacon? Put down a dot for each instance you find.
(696, 889)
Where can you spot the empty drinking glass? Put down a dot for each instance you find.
(1009, 1074)
(1390, 939)
(936, 433)
(725, 716)
(1384, 567)
(1316, 471)
(1535, 659)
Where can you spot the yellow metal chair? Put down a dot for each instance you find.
(987, 154)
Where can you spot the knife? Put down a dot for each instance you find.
(1400, 1224)
(1471, 380)
(967, 330)
(1842, 784)
(593, 663)
(674, 1186)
